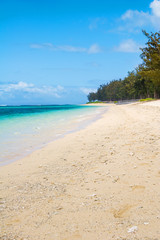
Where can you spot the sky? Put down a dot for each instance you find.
(57, 51)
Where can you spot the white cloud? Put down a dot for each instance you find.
(68, 48)
(128, 46)
(49, 45)
(60, 88)
(31, 88)
(94, 49)
(127, 15)
(155, 6)
(87, 90)
(140, 18)
(134, 20)
(15, 86)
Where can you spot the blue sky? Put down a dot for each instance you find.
(56, 52)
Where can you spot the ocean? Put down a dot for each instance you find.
(24, 129)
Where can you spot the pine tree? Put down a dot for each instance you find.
(150, 68)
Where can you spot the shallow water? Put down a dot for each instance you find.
(26, 128)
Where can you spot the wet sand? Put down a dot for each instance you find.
(99, 183)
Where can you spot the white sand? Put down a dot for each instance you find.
(100, 183)
(153, 103)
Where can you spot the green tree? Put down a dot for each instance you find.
(92, 97)
(150, 68)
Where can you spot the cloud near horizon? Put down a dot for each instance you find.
(26, 92)
(93, 49)
(87, 90)
(30, 88)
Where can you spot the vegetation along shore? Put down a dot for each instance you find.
(143, 82)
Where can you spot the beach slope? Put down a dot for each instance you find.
(99, 183)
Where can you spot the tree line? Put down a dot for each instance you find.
(143, 82)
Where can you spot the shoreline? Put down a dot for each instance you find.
(97, 183)
(79, 126)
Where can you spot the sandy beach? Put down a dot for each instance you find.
(100, 183)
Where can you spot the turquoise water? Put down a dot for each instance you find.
(26, 128)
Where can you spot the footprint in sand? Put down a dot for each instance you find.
(138, 187)
(122, 212)
(75, 236)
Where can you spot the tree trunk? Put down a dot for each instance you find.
(155, 94)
